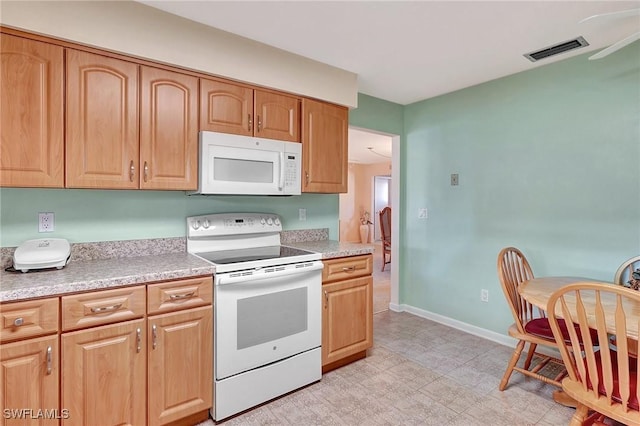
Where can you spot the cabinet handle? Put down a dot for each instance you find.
(132, 171)
(306, 178)
(349, 269)
(100, 309)
(49, 359)
(146, 171)
(259, 124)
(18, 322)
(326, 299)
(138, 340)
(182, 296)
(250, 123)
(154, 335)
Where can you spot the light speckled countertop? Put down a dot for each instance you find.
(100, 274)
(96, 274)
(331, 249)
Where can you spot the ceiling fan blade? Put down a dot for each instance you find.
(616, 46)
(618, 14)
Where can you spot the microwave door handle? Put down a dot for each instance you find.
(281, 161)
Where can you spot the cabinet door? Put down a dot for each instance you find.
(168, 130)
(104, 375)
(102, 122)
(226, 107)
(347, 318)
(180, 364)
(31, 107)
(277, 116)
(29, 381)
(324, 147)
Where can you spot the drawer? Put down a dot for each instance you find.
(347, 267)
(180, 294)
(28, 319)
(102, 307)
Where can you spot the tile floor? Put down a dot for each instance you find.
(418, 373)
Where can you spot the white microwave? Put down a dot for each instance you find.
(245, 165)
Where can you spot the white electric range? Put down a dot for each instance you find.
(267, 309)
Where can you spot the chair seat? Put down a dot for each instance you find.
(633, 374)
(540, 327)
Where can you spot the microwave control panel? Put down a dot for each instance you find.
(291, 170)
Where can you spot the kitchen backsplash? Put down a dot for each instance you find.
(154, 246)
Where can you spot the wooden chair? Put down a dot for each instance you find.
(531, 324)
(623, 274)
(600, 378)
(385, 232)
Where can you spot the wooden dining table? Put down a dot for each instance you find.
(537, 291)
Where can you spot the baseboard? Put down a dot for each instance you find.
(502, 339)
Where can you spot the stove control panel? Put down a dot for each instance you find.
(233, 223)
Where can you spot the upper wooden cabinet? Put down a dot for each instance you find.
(32, 123)
(105, 146)
(168, 130)
(102, 122)
(324, 147)
(241, 110)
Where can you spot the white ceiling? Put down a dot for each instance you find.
(407, 51)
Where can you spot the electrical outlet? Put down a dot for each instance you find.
(484, 295)
(422, 213)
(46, 222)
(454, 179)
(302, 214)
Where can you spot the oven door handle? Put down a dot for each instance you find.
(227, 278)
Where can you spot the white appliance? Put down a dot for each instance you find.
(244, 165)
(42, 253)
(267, 309)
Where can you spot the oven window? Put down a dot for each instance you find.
(272, 316)
(235, 170)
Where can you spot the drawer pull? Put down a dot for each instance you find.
(181, 296)
(349, 269)
(18, 321)
(154, 335)
(97, 310)
(49, 360)
(138, 340)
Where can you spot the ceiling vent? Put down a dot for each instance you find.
(557, 49)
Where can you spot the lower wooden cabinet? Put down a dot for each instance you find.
(180, 364)
(29, 376)
(111, 362)
(347, 315)
(104, 375)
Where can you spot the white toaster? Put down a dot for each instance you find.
(41, 254)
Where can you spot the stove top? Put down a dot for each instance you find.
(225, 257)
(241, 241)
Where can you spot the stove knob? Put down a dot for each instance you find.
(269, 221)
(262, 221)
(196, 224)
(205, 224)
(276, 221)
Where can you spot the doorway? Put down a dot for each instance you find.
(373, 156)
(381, 199)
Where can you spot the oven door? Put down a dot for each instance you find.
(269, 315)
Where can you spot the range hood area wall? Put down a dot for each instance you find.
(83, 215)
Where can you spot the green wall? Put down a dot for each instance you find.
(549, 161)
(92, 215)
